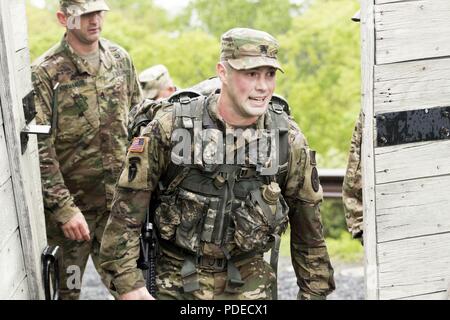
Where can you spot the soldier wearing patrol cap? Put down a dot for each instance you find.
(156, 82)
(216, 219)
(85, 86)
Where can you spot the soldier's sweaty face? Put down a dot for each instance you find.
(89, 27)
(250, 90)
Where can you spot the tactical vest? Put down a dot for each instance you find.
(226, 212)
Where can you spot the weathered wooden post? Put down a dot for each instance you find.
(22, 224)
(406, 147)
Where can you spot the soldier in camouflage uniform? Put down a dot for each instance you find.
(156, 83)
(85, 86)
(352, 187)
(215, 221)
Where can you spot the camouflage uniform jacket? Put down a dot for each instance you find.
(352, 187)
(120, 246)
(81, 160)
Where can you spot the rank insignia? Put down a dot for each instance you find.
(137, 146)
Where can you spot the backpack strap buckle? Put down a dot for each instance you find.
(277, 108)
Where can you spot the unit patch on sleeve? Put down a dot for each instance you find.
(315, 182)
(138, 145)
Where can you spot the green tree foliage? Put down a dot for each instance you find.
(43, 30)
(218, 16)
(333, 218)
(320, 54)
(190, 56)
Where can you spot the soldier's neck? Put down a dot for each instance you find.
(231, 118)
(80, 47)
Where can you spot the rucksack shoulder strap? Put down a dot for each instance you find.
(186, 111)
(280, 121)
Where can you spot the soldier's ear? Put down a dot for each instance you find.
(222, 70)
(62, 18)
(172, 89)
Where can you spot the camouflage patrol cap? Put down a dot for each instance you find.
(154, 79)
(245, 48)
(80, 7)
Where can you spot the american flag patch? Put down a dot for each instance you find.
(138, 145)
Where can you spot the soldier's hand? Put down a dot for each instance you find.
(138, 294)
(76, 228)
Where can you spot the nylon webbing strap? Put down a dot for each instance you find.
(188, 110)
(181, 174)
(280, 122)
(234, 279)
(208, 123)
(54, 127)
(230, 173)
(274, 254)
(189, 275)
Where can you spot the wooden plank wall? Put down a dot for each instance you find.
(22, 292)
(31, 172)
(367, 156)
(412, 85)
(412, 25)
(14, 285)
(1, 117)
(5, 173)
(412, 71)
(12, 265)
(414, 267)
(15, 83)
(8, 219)
(12, 270)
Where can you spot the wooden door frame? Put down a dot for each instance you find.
(13, 123)
(367, 149)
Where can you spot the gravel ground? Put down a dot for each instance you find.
(349, 279)
(349, 282)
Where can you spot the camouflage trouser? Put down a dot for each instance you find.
(257, 274)
(76, 253)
